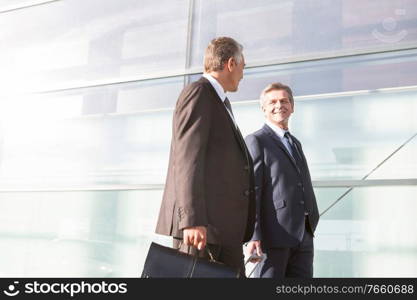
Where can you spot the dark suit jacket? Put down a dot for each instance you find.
(283, 192)
(210, 174)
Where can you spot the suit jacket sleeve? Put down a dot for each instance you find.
(258, 165)
(191, 125)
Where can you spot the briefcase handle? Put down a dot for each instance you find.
(211, 257)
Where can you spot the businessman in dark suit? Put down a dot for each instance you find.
(286, 208)
(209, 192)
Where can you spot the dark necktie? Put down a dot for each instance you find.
(239, 134)
(228, 106)
(295, 153)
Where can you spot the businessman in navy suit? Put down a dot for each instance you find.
(286, 208)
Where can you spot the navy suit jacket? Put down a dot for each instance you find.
(283, 192)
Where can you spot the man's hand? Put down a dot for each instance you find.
(195, 236)
(254, 248)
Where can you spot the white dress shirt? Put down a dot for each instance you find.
(280, 133)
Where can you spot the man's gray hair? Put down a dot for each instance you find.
(219, 51)
(276, 86)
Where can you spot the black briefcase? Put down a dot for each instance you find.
(165, 262)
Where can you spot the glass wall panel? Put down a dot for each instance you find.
(107, 135)
(13, 4)
(366, 72)
(6, 5)
(403, 164)
(76, 42)
(369, 233)
(129, 149)
(286, 29)
(77, 234)
(345, 137)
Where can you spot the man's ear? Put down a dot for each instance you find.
(230, 64)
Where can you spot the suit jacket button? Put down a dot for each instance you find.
(299, 184)
(247, 193)
(301, 202)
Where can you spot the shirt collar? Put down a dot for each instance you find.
(217, 86)
(279, 131)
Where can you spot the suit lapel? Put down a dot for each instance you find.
(277, 141)
(235, 130)
(239, 137)
(298, 145)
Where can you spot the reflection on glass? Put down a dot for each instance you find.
(333, 28)
(6, 5)
(77, 234)
(365, 72)
(108, 135)
(370, 233)
(79, 42)
(402, 165)
(131, 149)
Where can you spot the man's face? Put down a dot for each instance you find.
(278, 108)
(236, 74)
